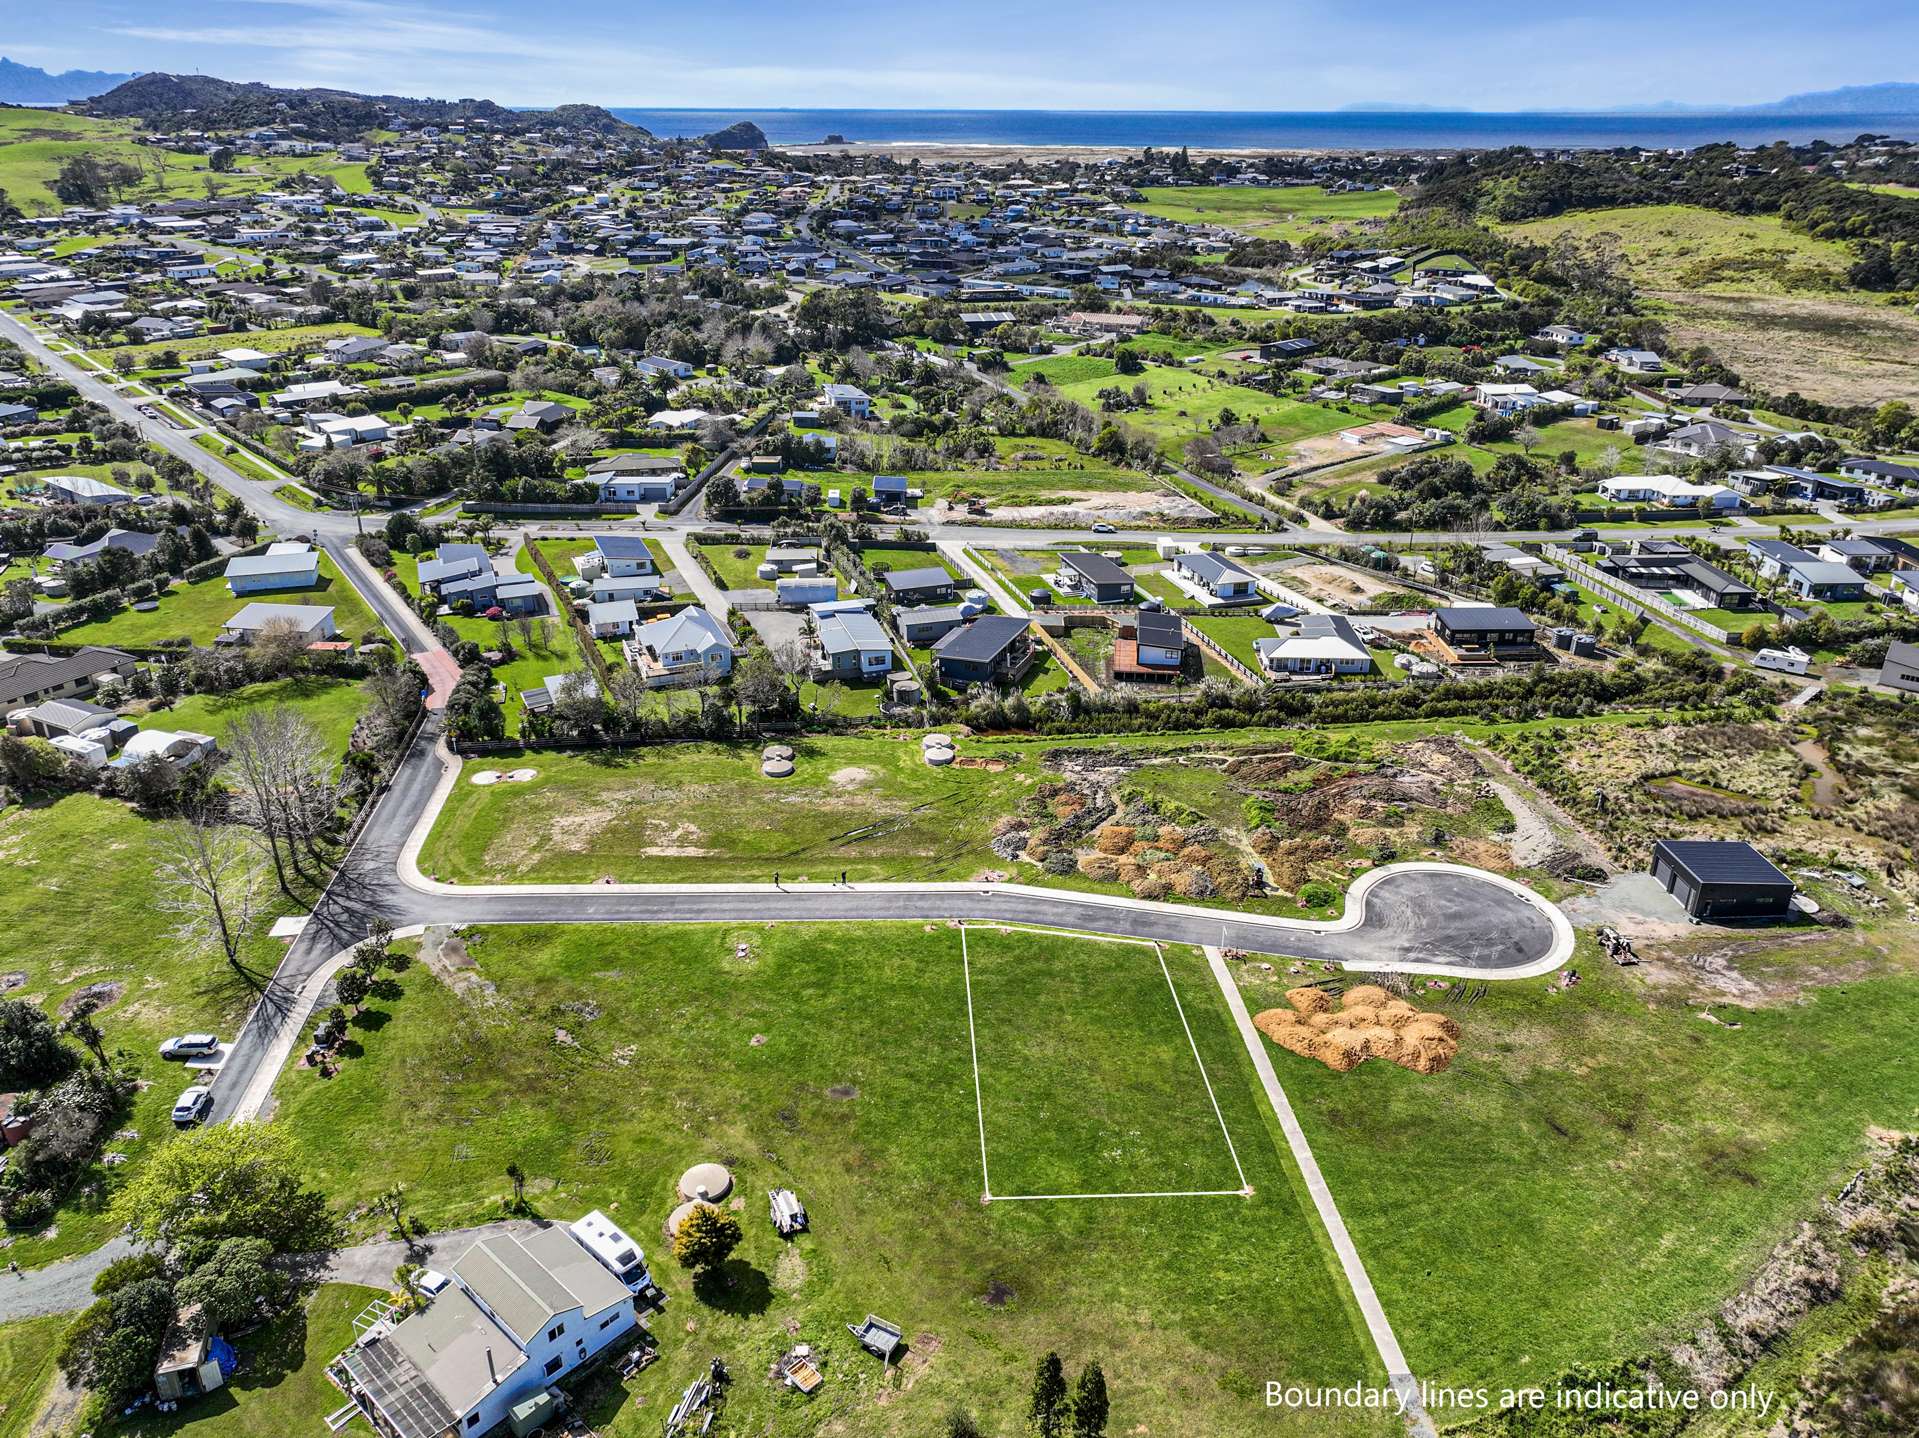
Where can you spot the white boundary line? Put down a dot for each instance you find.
(1245, 1188)
(1358, 1281)
(979, 1103)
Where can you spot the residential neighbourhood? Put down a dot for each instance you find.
(787, 783)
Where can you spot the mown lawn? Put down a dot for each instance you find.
(26, 1370)
(281, 1385)
(1235, 633)
(196, 612)
(1601, 1166)
(835, 1059)
(332, 706)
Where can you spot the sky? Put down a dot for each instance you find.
(994, 54)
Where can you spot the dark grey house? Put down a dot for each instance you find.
(1721, 879)
(1487, 627)
(1097, 577)
(993, 649)
(931, 585)
(924, 624)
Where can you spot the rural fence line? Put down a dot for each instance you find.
(1636, 601)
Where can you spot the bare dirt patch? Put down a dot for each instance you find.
(1336, 585)
(851, 777)
(103, 995)
(1760, 969)
(1074, 508)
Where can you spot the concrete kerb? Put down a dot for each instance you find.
(1352, 917)
(260, 1087)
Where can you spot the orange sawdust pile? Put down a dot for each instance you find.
(1367, 1023)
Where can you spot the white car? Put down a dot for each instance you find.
(1104, 528)
(190, 1046)
(192, 1106)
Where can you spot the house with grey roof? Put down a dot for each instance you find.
(928, 585)
(1826, 582)
(283, 566)
(131, 541)
(518, 1314)
(1212, 577)
(313, 621)
(850, 642)
(993, 649)
(27, 679)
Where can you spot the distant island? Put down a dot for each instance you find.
(30, 85)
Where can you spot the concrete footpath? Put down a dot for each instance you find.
(1357, 1280)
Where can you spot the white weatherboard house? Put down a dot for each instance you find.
(691, 647)
(283, 566)
(1211, 578)
(1669, 491)
(519, 1314)
(314, 621)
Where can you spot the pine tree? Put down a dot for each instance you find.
(1089, 1403)
(1047, 1417)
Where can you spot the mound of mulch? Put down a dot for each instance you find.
(1364, 1023)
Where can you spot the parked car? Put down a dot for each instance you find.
(192, 1106)
(190, 1046)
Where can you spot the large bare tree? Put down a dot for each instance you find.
(288, 788)
(211, 880)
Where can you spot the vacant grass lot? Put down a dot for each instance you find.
(1060, 1115)
(699, 812)
(332, 706)
(78, 907)
(276, 341)
(1601, 1166)
(196, 612)
(1182, 404)
(858, 1093)
(1292, 213)
(1772, 302)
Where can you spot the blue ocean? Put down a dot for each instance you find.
(1278, 130)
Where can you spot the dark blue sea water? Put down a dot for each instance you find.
(1279, 130)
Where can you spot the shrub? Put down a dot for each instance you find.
(1317, 895)
(1099, 866)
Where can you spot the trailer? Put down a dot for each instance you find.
(877, 1336)
(789, 1215)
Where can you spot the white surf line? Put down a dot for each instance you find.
(1245, 1188)
(1385, 1342)
(979, 1103)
